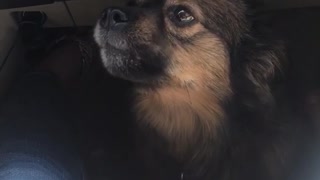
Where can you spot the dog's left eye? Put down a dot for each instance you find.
(181, 16)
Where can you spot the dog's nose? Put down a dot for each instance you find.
(113, 17)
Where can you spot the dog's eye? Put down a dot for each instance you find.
(181, 16)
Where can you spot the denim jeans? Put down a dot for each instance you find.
(37, 139)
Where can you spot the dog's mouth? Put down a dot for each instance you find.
(122, 56)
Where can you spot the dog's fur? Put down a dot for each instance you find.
(211, 100)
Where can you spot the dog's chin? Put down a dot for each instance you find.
(135, 62)
(121, 64)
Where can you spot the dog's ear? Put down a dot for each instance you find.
(265, 67)
(261, 64)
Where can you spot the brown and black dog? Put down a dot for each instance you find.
(213, 99)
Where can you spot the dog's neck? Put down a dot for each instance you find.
(182, 116)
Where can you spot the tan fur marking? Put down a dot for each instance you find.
(144, 29)
(198, 83)
(184, 32)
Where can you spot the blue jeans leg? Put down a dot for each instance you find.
(37, 139)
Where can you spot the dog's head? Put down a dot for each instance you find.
(171, 41)
(179, 54)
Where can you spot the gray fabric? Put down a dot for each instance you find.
(36, 139)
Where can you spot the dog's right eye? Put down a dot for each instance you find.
(181, 16)
(184, 16)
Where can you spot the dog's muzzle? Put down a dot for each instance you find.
(114, 21)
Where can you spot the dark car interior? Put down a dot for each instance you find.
(31, 30)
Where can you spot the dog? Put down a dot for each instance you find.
(212, 98)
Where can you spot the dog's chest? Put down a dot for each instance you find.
(157, 163)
